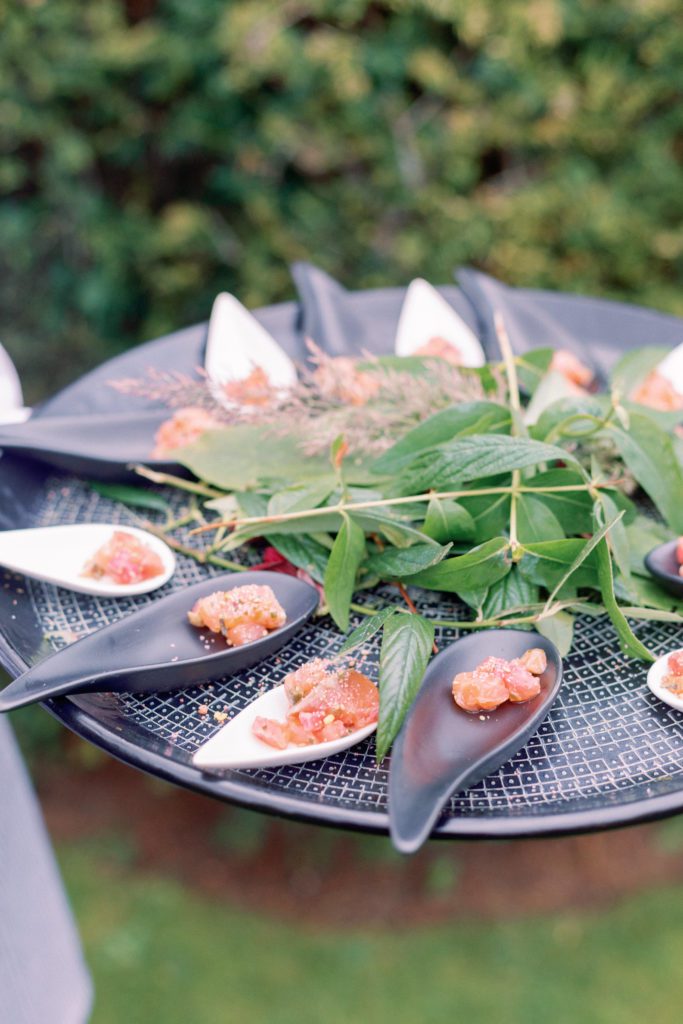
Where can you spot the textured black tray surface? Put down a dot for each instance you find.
(608, 753)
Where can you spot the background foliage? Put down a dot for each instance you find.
(155, 151)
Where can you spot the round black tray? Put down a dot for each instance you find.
(609, 753)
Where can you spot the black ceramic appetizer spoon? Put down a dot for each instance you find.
(663, 565)
(156, 649)
(442, 749)
(98, 445)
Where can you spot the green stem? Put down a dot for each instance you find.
(169, 480)
(560, 430)
(517, 425)
(358, 506)
(363, 609)
(224, 563)
(202, 557)
(175, 524)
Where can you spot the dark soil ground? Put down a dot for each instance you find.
(305, 872)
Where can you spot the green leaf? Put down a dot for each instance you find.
(582, 555)
(301, 496)
(547, 562)
(666, 419)
(138, 497)
(447, 520)
(633, 367)
(406, 648)
(397, 532)
(572, 509)
(367, 629)
(648, 593)
(535, 521)
(466, 418)
(554, 387)
(649, 453)
(303, 552)
(559, 629)
(643, 534)
(330, 522)
(607, 511)
(471, 458)
(490, 512)
(512, 591)
(252, 503)
(227, 507)
(340, 577)
(570, 417)
(628, 641)
(474, 598)
(489, 381)
(239, 458)
(532, 367)
(397, 563)
(480, 567)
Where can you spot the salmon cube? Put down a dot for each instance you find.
(335, 730)
(271, 732)
(250, 605)
(184, 427)
(300, 682)
(534, 660)
(479, 690)
(675, 663)
(245, 633)
(124, 559)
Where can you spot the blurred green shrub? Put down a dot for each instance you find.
(155, 151)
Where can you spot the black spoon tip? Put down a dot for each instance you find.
(662, 563)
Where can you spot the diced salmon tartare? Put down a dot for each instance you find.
(571, 368)
(242, 614)
(496, 681)
(254, 389)
(441, 348)
(184, 427)
(124, 559)
(657, 392)
(326, 704)
(673, 680)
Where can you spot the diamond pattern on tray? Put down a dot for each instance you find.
(607, 740)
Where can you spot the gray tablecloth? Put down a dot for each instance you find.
(43, 978)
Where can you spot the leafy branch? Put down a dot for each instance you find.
(528, 524)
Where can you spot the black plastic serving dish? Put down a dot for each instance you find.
(607, 754)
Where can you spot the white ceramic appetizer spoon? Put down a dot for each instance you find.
(12, 408)
(235, 746)
(671, 367)
(237, 343)
(59, 554)
(425, 315)
(655, 680)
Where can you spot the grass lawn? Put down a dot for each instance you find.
(159, 954)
